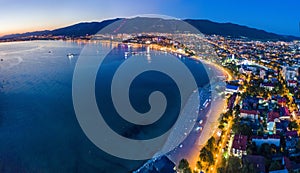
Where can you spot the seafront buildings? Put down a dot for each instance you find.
(263, 105)
(266, 113)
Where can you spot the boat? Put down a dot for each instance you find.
(70, 55)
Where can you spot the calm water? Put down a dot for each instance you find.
(38, 127)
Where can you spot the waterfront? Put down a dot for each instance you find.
(37, 117)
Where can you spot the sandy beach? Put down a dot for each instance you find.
(196, 140)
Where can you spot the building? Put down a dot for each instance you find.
(268, 86)
(291, 141)
(284, 113)
(230, 89)
(252, 114)
(231, 101)
(262, 73)
(258, 162)
(239, 146)
(290, 73)
(281, 101)
(292, 83)
(250, 103)
(271, 139)
(273, 118)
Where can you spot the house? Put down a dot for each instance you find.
(252, 114)
(273, 118)
(290, 73)
(262, 73)
(230, 89)
(250, 103)
(239, 145)
(292, 83)
(257, 161)
(271, 127)
(291, 140)
(231, 101)
(268, 86)
(281, 101)
(274, 80)
(279, 127)
(284, 113)
(157, 165)
(271, 139)
(272, 104)
(297, 101)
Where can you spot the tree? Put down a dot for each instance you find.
(221, 170)
(242, 129)
(221, 126)
(293, 125)
(251, 148)
(206, 156)
(275, 166)
(273, 149)
(248, 167)
(298, 145)
(199, 165)
(188, 170)
(265, 150)
(237, 109)
(211, 143)
(234, 165)
(184, 166)
(246, 130)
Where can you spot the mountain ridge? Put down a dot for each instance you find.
(204, 26)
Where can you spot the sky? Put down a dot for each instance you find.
(278, 16)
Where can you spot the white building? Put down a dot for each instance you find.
(290, 73)
(259, 140)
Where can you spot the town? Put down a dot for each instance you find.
(259, 129)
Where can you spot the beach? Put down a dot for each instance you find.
(210, 117)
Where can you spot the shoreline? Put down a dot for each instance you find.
(209, 121)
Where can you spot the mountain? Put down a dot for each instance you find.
(148, 25)
(234, 30)
(27, 34)
(77, 30)
(82, 29)
(204, 26)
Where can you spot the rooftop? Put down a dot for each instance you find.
(258, 162)
(240, 142)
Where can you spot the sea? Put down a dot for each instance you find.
(39, 132)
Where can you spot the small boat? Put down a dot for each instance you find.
(70, 55)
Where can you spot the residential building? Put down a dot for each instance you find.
(239, 145)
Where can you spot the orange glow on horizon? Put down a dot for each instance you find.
(24, 30)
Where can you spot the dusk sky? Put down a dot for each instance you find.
(276, 16)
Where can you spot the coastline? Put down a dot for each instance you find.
(210, 118)
(209, 121)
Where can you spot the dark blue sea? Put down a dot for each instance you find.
(39, 131)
